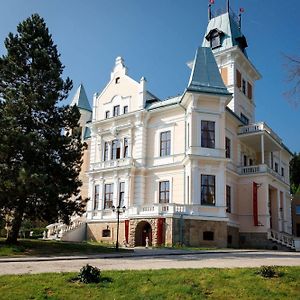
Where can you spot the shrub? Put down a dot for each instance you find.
(268, 271)
(89, 274)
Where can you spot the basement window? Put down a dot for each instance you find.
(105, 233)
(208, 235)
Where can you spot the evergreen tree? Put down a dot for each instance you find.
(40, 145)
(295, 173)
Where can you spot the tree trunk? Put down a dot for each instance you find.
(16, 223)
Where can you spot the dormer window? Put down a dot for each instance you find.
(117, 80)
(215, 40)
(215, 36)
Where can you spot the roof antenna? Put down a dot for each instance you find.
(240, 17)
(209, 9)
(228, 6)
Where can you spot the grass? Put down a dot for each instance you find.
(26, 247)
(157, 284)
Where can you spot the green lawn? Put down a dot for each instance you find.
(28, 247)
(157, 284)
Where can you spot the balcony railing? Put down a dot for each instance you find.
(249, 170)
(122, 162)
(258, 127)
(164, 209)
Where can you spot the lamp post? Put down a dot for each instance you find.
(118, 210)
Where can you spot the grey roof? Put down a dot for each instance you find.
(226, 23)
(80, 99)
(205, 76)
(163, 103)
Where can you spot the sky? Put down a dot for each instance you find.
(157, 38)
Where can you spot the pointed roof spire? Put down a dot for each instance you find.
(80, 99)
(228, 6)
(205, 76)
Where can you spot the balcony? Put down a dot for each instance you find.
(260, 169)
(168, 209)
(259, 127)
(110, 164)
(161, 210)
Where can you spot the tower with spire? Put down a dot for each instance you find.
(224, 36)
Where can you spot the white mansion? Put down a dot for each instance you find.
(196, 169)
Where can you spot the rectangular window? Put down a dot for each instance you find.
(249, 91)
(244, 119)
(297, 209)
(245, 160)
(208, 134)
(208, 188)
(244, 87)
(105, 233)
(227, 147)
(164, 192)
(238, 79)
(165, 143)
(208, 235)
(228, 199)
(125, 109)
(107, 114)
(282, 171)
(250, 162)
(105, 152)
(115, 149)
(121, 194)
(108, 195)
(276, 167)
(215, 40)
(96, 196)
(126, 148)
(116, 110)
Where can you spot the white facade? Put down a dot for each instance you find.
(180, 180)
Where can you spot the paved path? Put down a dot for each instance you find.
(152, 259)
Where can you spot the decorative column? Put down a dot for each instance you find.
(262, 145)
(116, 189)
(127, 191)
(89, 207)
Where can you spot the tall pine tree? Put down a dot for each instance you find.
(40, 146)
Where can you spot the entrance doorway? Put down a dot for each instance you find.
(142, 231)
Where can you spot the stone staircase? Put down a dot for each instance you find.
(283, 239)
(74, 232)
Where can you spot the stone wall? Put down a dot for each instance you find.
(191, 232)
(176, 231)
(95, 232)
(233, 237)
(259, 241)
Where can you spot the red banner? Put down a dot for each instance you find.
(126, 230)
(160, 228)
(255, 209)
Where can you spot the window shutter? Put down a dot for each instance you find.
(238, 79)
(224, 74)
(249, 89)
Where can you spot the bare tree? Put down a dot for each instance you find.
(293, 79)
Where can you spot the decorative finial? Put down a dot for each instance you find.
(209, 9)
(240, 17)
